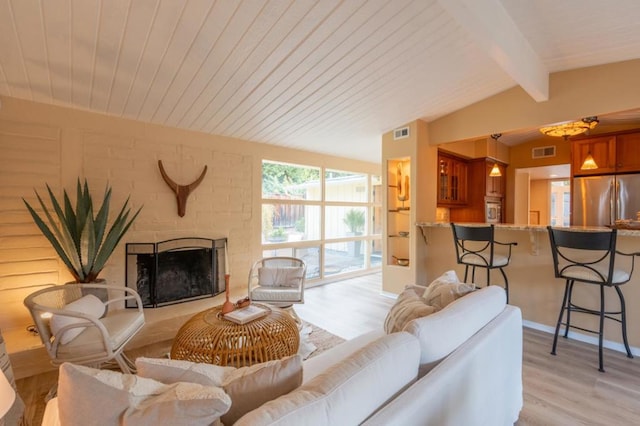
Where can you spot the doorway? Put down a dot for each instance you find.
(543, 195)
(560, 211)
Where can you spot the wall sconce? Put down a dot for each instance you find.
(495, 171)
(589, 163)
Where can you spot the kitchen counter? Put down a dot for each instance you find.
(533, 228)
(532, 283)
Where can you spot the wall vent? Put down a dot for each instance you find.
(543, 152)
(401, 133)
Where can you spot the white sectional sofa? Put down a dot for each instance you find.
(469, 372)
(459, 366)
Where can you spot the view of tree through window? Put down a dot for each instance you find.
(326, 217)
(287, 181)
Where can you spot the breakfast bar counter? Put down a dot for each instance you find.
(532, 284)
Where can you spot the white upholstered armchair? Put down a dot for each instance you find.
(278, 281)
(76, 326)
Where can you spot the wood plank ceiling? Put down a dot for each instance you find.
(327, 76)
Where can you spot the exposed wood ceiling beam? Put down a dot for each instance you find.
(489, 24)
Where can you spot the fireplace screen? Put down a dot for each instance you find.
(176, 270)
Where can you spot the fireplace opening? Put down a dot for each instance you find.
(175, 271)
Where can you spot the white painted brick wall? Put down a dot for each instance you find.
(30, 156)
(219, 207)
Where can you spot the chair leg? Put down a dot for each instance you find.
(126, 365)
(506, 283)
(623, 313)
(466, 272)
(562, 308)
(601, 331)
(568, 307)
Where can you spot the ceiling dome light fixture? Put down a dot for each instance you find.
(495, 170)
(570, 128)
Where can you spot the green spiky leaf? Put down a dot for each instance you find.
(81, 239)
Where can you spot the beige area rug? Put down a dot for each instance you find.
(36, 390)
(322, 339)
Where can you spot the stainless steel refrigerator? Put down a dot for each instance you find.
(601, 200)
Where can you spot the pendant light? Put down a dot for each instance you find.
(495, 171)
(589, 163)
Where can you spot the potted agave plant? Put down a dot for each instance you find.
(81, 238)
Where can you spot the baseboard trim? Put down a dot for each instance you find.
(388, 294)
(615, 346)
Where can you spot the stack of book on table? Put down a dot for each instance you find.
(244, 315)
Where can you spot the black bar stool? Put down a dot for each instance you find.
(475, 247)
(589, 257)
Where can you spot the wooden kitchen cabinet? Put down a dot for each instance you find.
(481, 188)
(603, 151)
(452, 180)
(627, 153)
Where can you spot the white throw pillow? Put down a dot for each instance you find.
(88, 397)
(407, 307)
(248, 387)
(289, 276)
(443, 294)
(88, 305)
(445, 289)
(449, 277)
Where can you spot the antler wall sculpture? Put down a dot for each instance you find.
(182, 191)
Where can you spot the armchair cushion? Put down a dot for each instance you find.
(121, 324)
(290, 276)
(248, 387)
(275, 294)
(88, 305)
(129, 399)
(483, 261)
(585, 274)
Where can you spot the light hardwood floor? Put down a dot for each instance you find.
(566, 389)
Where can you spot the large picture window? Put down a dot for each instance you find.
(329, 218)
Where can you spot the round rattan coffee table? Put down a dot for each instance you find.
(208, 337)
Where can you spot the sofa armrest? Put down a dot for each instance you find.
(479, 383)
(444, 331)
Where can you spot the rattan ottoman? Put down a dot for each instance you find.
(208, 337)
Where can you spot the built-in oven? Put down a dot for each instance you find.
(493, 211)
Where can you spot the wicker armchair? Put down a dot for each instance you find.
(73, 327)
(278, 281)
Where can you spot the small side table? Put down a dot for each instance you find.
(208, 337)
